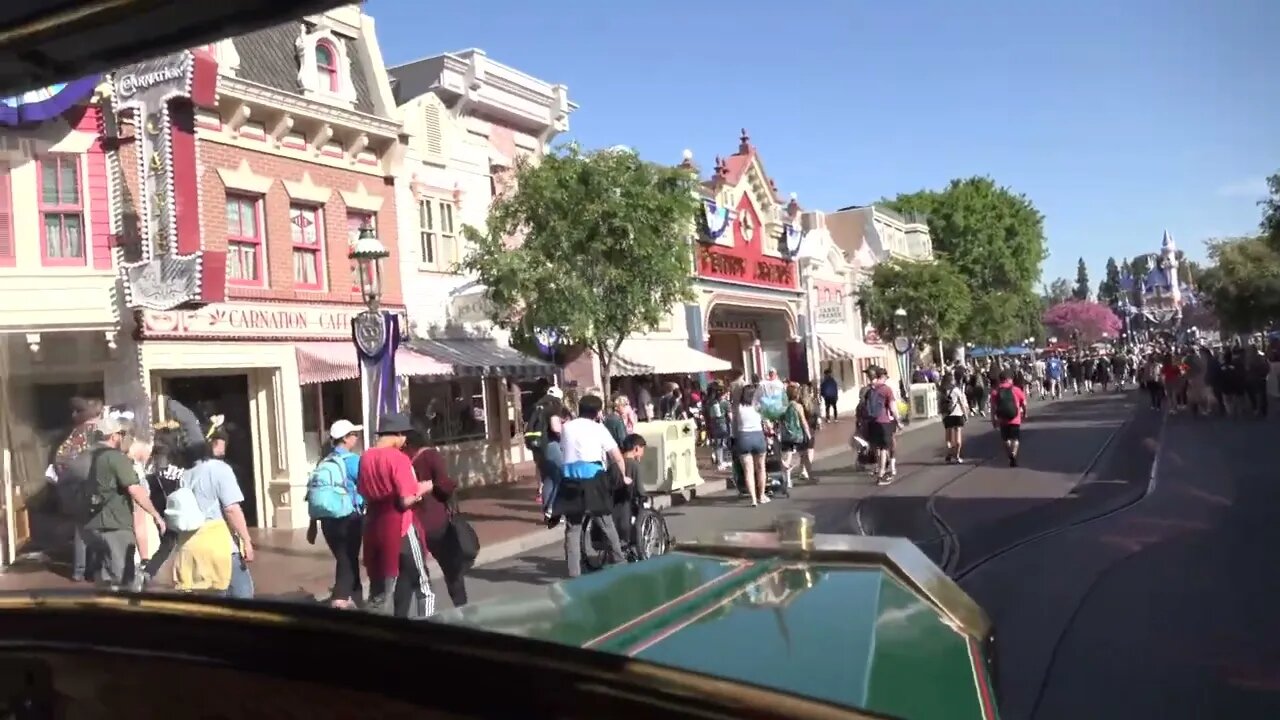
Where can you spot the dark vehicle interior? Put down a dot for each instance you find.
(155, 657)
(44, 42)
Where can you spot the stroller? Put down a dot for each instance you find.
(775, 475)
(649, 536)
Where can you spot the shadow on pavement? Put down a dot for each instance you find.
(1165, 610)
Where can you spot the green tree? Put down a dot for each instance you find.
(1271, 213)
(1243, 283)
(1109, 287)
(1059, 291)
(998, 319)
(1081, 291)
(992, 235)
(934, 295)
(605, 248)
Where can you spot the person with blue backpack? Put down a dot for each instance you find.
(338, 510)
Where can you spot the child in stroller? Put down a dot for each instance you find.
(641, 527)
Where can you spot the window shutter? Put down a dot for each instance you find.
(434, 135)
(7, 250)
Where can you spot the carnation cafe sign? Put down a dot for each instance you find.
(258, 321)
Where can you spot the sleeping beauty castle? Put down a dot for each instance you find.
(1163, 294)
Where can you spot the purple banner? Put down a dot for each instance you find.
(47, 103)
(377, 337)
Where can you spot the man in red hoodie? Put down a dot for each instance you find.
(393, 555)
(1008, 410)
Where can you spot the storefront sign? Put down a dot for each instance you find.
(832, 314)
(257, 321)
(161, 95)
(716, 263)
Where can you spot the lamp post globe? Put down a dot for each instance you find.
(368, 252)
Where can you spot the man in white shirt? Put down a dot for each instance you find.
(586, 486)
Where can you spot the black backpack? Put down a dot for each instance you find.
(1006, 404)
(949, 401)
(538, 428)
(80, 492)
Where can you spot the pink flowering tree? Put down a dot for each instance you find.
(1085, 320)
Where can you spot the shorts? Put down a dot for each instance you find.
(953, 421)
(1010, 433)
(750, 443)
(796, 446)
(880, 435)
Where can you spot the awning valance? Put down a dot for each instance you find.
(840, 347)
(642, 356)
(331, 361)
(483, 356)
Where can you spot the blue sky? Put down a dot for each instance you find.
(1118, 119)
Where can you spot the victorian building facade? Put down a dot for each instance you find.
(60, 328)
(836, 339)
(470, 119)
(236, 260)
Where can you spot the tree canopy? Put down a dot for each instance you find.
(1084, 320)
(1243, 283)
(992, 235)
(605, 248)
(1059, 291)
(1081, 290)
(1109, 287)
(935, 297)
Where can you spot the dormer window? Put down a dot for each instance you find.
(324, 68)
(327, 66)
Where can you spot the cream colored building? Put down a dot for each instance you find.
(469, 119)
(886, 233)
(834, 332)
(60, 326)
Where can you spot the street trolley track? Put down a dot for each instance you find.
(952, 538)
(1129, 504)
(950, 551)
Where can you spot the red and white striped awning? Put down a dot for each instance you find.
(331, 361)
(841, 347)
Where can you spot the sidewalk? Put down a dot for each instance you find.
(506, 518)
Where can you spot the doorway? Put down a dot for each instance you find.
(226, 395)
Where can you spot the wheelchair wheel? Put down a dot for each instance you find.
(652, 536)
(595, 547)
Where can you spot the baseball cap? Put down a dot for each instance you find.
(555, 392)
(343, 428)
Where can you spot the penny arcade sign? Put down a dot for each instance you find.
(161, 95)
(716, 263)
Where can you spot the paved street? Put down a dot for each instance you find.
(1060, 443)
(1165, 610)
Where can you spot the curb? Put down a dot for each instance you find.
(507, 549)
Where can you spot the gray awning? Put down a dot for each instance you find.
(483, 356)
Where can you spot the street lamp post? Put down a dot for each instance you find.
(902, 344)
(376, 334)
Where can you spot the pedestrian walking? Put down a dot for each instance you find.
(955, 412)
(1008, 410)
(336, 508)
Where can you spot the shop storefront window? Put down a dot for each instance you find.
(449, 412)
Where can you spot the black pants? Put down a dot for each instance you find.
(830, 412)
(401, 595)
(168, 542)
(1156, 391)
(343, 536)
(443, 546)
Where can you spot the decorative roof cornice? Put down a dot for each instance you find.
(287, 102)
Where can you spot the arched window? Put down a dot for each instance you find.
(327, 65)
